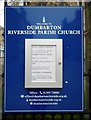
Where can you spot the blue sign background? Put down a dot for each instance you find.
(17, 18)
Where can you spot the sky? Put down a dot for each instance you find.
(1, 13)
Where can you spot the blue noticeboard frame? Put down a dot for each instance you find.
(22, 23)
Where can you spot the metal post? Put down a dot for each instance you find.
(5, 3)
(24, 3)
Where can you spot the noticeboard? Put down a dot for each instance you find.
(43, 59)
(43, 63)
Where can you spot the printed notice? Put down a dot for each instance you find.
(43, 63)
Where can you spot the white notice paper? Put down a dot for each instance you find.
(43, 65)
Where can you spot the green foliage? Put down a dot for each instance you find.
(19, 117)
(48, 117)
(67, 117)
(86, 117)
(76, 117)
(28, 117)
(38, 117)
(57, 117)
(10, 117)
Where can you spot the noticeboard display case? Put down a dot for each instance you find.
(43, 63)
(43, 59)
